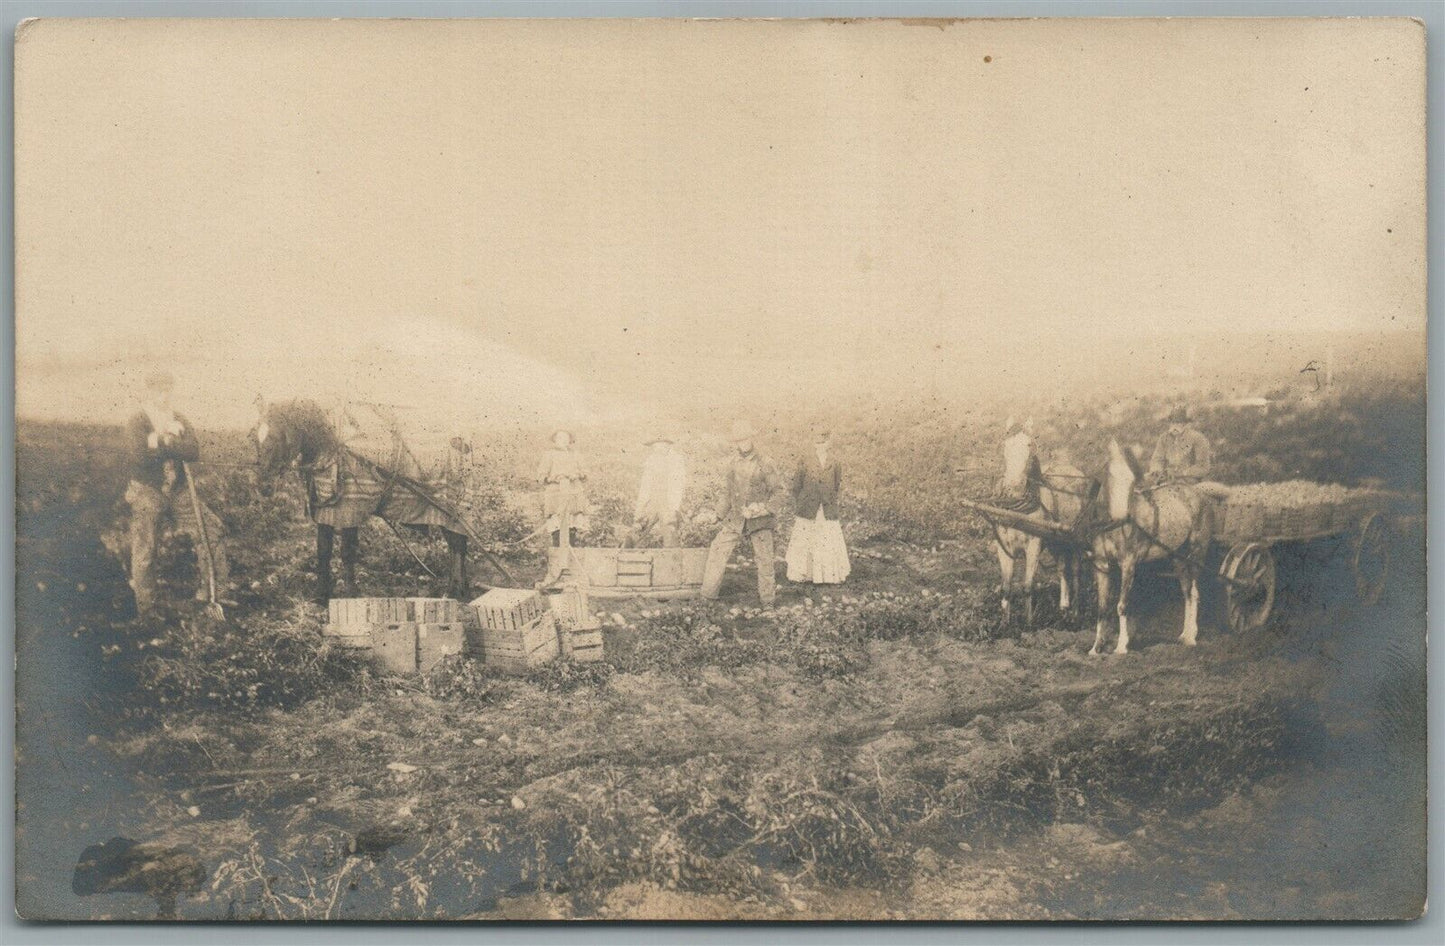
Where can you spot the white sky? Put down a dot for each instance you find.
(624, 196)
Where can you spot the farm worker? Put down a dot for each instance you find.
(564, 502)
(750, 487)
(816, 550)
(1181, 454)
(659, 496)
(160, 441)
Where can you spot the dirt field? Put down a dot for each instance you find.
(884, 749)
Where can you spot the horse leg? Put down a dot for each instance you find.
(1006, 571)
(1065, 560)
(1031, 567)
(324, 538)
(1126, 584)
(458, 587)
(350, 546)
(1101, 585)
(1189, 584)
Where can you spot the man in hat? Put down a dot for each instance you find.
(751, 486)
(161, 443)
(1181, 454)
(659, 496)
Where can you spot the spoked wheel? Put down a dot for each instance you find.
(1372, 558)
(1249, 584)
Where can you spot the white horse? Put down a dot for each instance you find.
(1169, 521)
(1019, 491)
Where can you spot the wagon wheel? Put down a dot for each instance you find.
(1249, 580)
(1372, 558)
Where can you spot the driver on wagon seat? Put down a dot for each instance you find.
(1181, 454)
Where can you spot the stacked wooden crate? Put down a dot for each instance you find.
(514, 631)
(405, 635)
(578, 631)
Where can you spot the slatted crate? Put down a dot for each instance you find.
(438, 610)
(346, 612)
(508, 609)
(515, 649)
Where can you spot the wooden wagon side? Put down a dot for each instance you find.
(1250, 531)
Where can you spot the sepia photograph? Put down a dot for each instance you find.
(720, 470)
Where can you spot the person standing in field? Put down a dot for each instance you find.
(160, 443)
(564, 499)
(659, 496)
(1181, 454)
(750, 488)
(817, 552)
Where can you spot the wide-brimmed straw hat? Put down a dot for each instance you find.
(560, 431)
(742, 430)
(658, 438)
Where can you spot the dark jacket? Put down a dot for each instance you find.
(1183, 456)
(816, 485)
(148, 464)
(749, 482)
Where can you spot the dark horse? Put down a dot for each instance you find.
(344, 488)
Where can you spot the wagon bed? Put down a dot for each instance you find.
(1251, 519)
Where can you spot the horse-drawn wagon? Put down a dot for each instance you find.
(1249, 523)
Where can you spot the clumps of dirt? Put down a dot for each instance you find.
(197, 663)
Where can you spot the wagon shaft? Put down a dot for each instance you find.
(1023, 523)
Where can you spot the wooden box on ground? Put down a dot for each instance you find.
(515, 649)
(509, 609)
(581, 645)
(394, 646)
(658, 573)
(351, 611)
(436, 641)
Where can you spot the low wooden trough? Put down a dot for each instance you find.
(617, 573)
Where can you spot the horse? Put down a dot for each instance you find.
(1169, 521)
(1066, 492)
(345, 487)
(1018, 491)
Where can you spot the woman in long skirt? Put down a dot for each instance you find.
(816, 550)
(564, 501)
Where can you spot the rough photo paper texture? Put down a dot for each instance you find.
(770, 470)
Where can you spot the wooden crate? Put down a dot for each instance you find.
(352, 611)
(508, 609)
(516, 649)
(438, 610)
(437, 641)
(583, 646)
(572, 609)
(394, 646)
